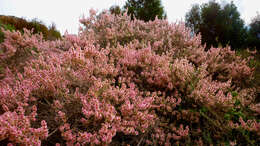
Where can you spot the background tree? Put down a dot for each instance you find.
(115, 9)
(193, 19)
(234, 30)
(53, 33)
(254, 32)
(218, 24)
(145, 9)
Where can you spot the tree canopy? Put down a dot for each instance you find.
(145, 9)
(254, 32)
(115, 9)
(218, 24)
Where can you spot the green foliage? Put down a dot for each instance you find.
(203, 109)
(193, 19)
(254, 33)
(15, 23)
(207, 137)
(217, 24)
(116, 10)
(234, 93)
(53, 34)
(234, 114)
(6, 27)
(145, 9)
(38, 27)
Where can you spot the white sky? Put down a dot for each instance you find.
(66, 13)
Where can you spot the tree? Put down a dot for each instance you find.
(217, 24)
(115, 9)
(53, 33)
(254, 32)
(193, 19)
(145, 9)
(234, 30)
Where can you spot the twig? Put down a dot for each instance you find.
(140, 141)
(53, 132)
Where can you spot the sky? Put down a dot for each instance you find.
(66, 13)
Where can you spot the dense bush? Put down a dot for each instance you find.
(124, 82)
(37, 26)
(5, 27)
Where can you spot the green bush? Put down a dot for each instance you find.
(6, 27)
(11, 22)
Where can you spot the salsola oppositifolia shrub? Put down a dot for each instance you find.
(125, 82)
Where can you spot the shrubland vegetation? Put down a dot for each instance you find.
(219, 24)
(124, 81)
(15, 23)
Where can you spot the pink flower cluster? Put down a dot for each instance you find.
(250, 125)
(17, 43)
(16, 127)
(117, 77)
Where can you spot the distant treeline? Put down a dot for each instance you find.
(15, 23)
(219, 24)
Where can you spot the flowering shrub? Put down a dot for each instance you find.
(124, 82)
